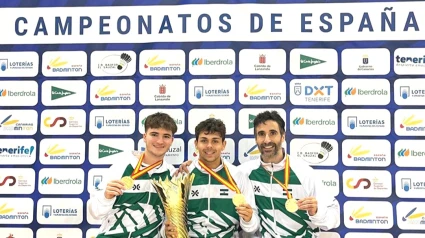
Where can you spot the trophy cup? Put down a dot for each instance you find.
(174, 195)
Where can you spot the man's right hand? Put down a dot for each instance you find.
(114, 188)
(170, 230)
(183, 168)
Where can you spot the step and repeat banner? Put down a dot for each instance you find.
(78, 79)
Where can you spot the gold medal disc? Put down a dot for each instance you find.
(291, 205)
(238, 199)
(128, 182)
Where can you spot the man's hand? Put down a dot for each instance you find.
(245, 211)
(308, 204)
(114, 188)
(183, 168)
(170, 230)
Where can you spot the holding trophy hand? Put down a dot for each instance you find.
(245, 211)
(114, 188)
(170, 230)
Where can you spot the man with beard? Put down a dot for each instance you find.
(290, 198)
(289, 195)
(222, 199)
(127, 202)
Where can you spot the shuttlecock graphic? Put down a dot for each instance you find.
(325, 148)
(125, 59)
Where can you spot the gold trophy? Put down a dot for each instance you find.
(174, 195)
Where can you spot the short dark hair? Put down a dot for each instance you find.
(211, 125)
(262, 117)
(160, 120)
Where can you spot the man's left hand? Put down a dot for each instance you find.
(245, 211)
(308, 204)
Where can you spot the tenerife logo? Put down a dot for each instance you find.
(299, 121)
(155, 64)
(209, 62)
(60, 93)
(410, 61)
(115, 63)
(5, 65)
(359, 154)
(410, 124)
(200, 92)
(16, 151)
(307, 61)
(353, 123)
(13, 125)
(48, 211)
(405, 92)
(365, 181)
(61, 120)
(56, 153)
(105, 151)
(254, 94)
(5, 213)
(56, 66)
(105, 95)
(101, 122)
(5, 92)
(364, 92)
(414, 218)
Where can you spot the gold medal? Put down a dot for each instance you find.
(128, 182)
(238, 199)
(291, 205)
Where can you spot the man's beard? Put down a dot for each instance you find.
(267, 155)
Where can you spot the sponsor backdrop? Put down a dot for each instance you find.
(79, 78)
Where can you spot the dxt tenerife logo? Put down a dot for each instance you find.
(9, 124)
(105, 94)
(57, 65)
(48, 211)
(59, 93)
(115, 63)
(102, 122)
(160, 65)
(56, 152)
(409, 124)
(407, 184)
(413, 218)
(214, 92)
(301, 121)
(50, 180)
(410, 61)
(406, 92)
(252, 93)
(313, 91)
(211, 62)
(60, 121)
(357, 153)
(18, 151)
(352, 91)
(308, 61)
(8, 213)
(11, 93)
(353, 123)
(105, 151)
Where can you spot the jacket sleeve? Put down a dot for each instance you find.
(328, 209)
(247, 190)
(98, 205)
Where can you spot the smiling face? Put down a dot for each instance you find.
(158, 142)
(269, 141)
(210, 146)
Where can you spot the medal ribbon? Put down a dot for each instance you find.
(137, 172)
(286, 178)
(230, 184)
